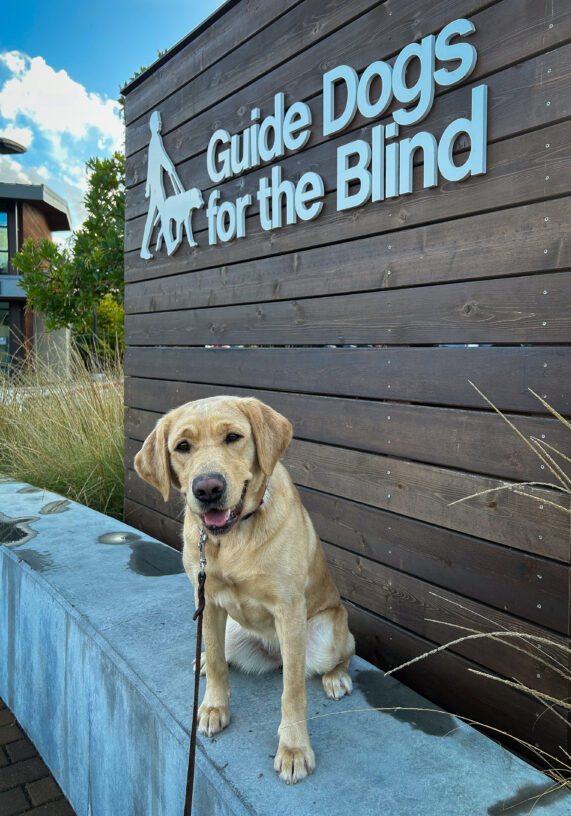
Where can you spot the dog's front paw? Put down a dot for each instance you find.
(294, 764)
(212, 719)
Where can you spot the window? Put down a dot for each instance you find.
(4, 334)
(3, 243)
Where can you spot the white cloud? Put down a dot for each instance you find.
(62, 122)
(12, 172)
(22, 135)
(56, 103)
(14, 61)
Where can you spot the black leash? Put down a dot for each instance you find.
(197, 616)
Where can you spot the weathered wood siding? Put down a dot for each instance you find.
(387, 434)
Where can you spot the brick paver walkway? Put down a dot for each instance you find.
(26, 785)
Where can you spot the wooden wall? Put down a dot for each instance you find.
(34, 223)
(390, 432)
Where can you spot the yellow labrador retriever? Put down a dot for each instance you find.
(270, 599)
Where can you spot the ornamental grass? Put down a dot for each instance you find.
(554, 655)
(61, 428)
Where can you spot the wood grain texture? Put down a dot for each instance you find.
(530, 309)
(521, 240)
(426, 492)
(505, 35)
(520, 170)
(436, 376)
(448, 437)
(379, 33)
(521, 584)
(34, 223)
(389, 433)
(442, 617)
(241, 21)
(524, 585)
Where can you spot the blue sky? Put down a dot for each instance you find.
(61, 67)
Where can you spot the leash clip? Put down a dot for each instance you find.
(201, 574)
(201, 542)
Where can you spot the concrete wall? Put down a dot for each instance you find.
(53, 348)
(96, 645)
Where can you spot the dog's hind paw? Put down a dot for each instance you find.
(337, 684)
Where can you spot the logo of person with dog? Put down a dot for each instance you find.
(166, 212)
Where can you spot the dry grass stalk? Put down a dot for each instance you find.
(554, 655)
(563, 480)
(64, 431)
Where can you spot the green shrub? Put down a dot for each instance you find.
(64, 432)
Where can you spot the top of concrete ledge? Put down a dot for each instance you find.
(96, 647)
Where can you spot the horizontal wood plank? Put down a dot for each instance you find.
(521, 584)
(448, 437)
(532, 238)
(426, 493)
(530, 309)
(140, 491)
(388, 645)
(505, 34)
(368, 315)
(416, 603)
(381, 31)
(264, 35)
(152, 523)
(240, 22)
(437, 376)
(442, 617)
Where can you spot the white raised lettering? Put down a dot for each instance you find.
(476, 129)
(356, 172)
(213, 155)
(463, 51)
(331, 80)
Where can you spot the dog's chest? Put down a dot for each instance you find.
(243, 599)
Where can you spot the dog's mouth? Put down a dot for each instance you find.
(221, 521)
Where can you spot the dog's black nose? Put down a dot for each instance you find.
(209, 487)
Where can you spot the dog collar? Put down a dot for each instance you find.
(264, 498)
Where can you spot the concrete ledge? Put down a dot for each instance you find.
(96, 646)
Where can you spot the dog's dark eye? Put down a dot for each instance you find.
(183, 447)
(232, 437)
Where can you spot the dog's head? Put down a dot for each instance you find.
(195, 198)
(218, 452)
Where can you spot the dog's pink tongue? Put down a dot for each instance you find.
(215, 518)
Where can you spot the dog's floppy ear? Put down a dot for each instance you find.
(272, 432)
(152, 462)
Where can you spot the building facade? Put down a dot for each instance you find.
(26, 211)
